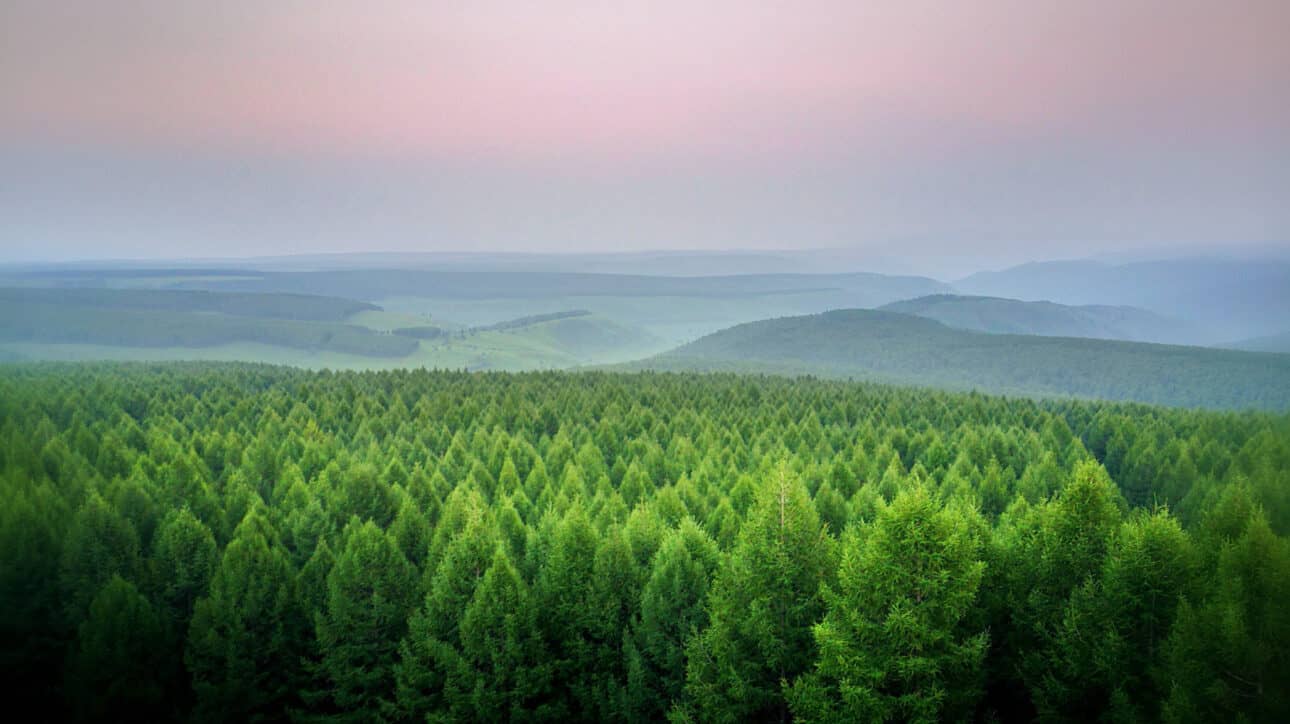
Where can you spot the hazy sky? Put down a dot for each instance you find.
(990, 129)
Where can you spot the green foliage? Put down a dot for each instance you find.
(184, 558)
(903, 349)
(1011, 316)
(672, 611)
(369, 593)
(245, 639)
(162, 325)
(895, 644)
(506, 668)
(762, 607)
(116, 666)
(1227, 657)
(238, 542)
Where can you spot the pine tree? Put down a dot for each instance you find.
(671, 612)
(1228, 655)
(119, 663)
(184, 558)
(369, 594)
(893, 645)
(430, 652)
(571, 619)
(501, 647)
(99, 544)
(1113, 629)
(761, 607)
(244, 641)
(412, 532)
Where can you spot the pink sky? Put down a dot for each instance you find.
(594, 79)
(809, 122)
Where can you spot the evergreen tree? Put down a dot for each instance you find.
(245, 639)
(1228, 656)
(894, 645)
(99, 544)
(184, 558)
(671, 612)
(501, 645)
(119, 664)
(430, 652)
(1111, 634)
(571, 619)
(369, 594)
(761, 608)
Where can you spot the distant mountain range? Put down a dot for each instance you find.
(1269, 343)
(1228, 300)
(1011, 316)
(1036, 329)
(899, 348)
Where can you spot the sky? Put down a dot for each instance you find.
(982, 131)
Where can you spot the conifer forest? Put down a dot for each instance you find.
(238, 542)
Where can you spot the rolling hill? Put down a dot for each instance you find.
(1227, 299)
(1012, 316)
(305, 307)
(1269, 343)
(537, 342)
(675, 309)
(373, 284)
(301, 330)
(898, 348)
(156, 319)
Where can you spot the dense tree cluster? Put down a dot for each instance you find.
(239, 542)
(895, 348)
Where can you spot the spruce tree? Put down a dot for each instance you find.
(761, 607)
(893, 645)
(119, 665)
(245, 638)
(369, 594)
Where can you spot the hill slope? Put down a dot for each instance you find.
(892, 347)
(1011, 316)
(524, 344)
(1232, 299)
(119, 319)
(1270, 343)
(304, 307)
(80, 324)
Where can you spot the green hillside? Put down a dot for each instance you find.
(868, 289)
(306, 307)
(1270, 343)
(41, 322)
(676, 309)
(1228, 299)
(309, 331)
(899, 348)
(673, 309)
(553, 342)
(1011, 316)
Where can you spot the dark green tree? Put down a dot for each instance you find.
(894, 645)
(762, 606)
(119, 664)
(245, 640)
(369, 594)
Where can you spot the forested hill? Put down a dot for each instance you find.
(1232, 299)
(266, 306)
(1012, 316)
(1270, 343)
(899, 348)
(864, 289)
(135, 318)
(196, 542)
